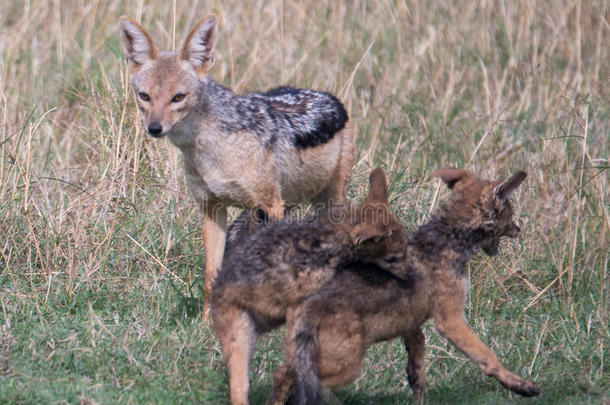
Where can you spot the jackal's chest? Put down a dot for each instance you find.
(214, 186)
(226, 168)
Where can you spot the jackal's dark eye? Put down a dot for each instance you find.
(178, 97)
(144, 96)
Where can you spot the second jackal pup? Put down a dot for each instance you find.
(328, 334)
(268, 272)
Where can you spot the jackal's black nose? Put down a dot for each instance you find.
(154, 128)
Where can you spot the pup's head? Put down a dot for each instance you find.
(374, 229)
(480, 205)
(164, 82)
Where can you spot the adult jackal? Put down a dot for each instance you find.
(256, 150)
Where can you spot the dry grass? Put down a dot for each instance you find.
(100, 237)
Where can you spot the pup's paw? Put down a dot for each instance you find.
(527, 389)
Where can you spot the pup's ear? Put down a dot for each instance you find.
(450, 176)
(138, 48)
(378, 187)
(365, 232)
(506, 189)
(198, 48)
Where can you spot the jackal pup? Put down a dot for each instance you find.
(328, 334)
(256, 150)
(267, 272)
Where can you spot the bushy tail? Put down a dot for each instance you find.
(307, 388)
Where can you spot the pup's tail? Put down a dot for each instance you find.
(307, 388)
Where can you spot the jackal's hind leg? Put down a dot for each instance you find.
(415, 342)
(266, 206)
(336, 190)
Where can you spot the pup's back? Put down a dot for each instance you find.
(294, 254)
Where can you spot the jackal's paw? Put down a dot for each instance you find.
(418, 395)
(417, 385)
(527, 389)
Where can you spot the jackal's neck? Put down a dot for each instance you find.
(439, 238)
(226, 110)
(214, 99)
(214, 90)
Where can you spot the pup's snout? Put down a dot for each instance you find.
(155, 128)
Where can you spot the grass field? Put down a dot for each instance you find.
(100, 246)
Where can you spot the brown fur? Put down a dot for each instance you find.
(329, 333)
(225, 166)
(268, 272)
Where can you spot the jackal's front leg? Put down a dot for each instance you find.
(270, 201)
(214, 233)
(415, 343)
(266, 206)
(453, 327)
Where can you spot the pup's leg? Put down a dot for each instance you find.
(237, 334)
(329, 346)
(415, 343)
(282, 385)
(214, 233)
(453, 327)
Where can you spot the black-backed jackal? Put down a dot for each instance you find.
(260, 150)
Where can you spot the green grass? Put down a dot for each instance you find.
(100, 253)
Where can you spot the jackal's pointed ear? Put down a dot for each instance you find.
(450, 176)
(365, 233)
(138, 48)
(198, 48)
(506, 189)
(378, 187)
